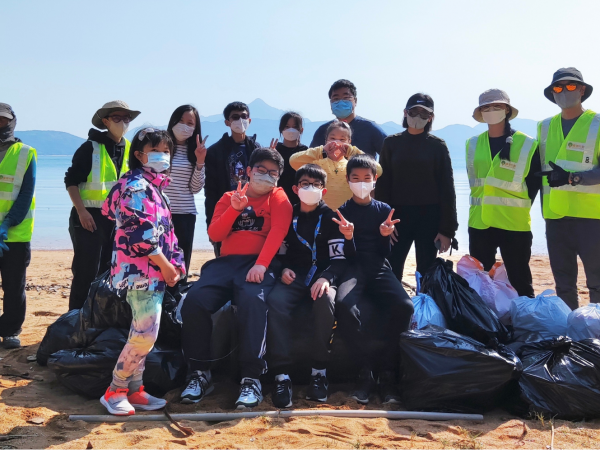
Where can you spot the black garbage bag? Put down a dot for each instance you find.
(169, 332)
(562, 378)
(105, 307)
(91, 385)
(66, 333)
(465, 312)
(99, 356)
(444, 371)
(165, 370)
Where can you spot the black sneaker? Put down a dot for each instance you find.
(318, 388)
(364, 387)
(282, 393)
(198, 387)
(388, 392)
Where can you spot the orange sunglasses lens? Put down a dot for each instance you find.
(559, 89)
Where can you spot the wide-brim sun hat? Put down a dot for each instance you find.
(493, 96)
(109, 107)
(568, 74)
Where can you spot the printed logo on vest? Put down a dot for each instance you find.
(509, 165)
(577, 146)
(7, 179)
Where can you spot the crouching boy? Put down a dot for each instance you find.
(313, 259)
(251, 224)
(369, 283)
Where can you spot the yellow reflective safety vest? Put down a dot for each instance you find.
(577, 152)
(12, 170)
(103, 175)
(499, 196)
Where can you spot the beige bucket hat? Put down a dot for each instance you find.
(493, 96)
(108, 108)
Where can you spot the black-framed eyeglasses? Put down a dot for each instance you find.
(235, 117)
(306, 184)
(117, 119)
(263, 171)
(414, 112)
(346, 97)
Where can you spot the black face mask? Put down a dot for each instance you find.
(7, 133)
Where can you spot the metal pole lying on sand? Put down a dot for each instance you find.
(222, 417)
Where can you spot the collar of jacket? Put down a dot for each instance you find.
(157, 179)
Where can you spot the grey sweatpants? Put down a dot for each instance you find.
(568, 238)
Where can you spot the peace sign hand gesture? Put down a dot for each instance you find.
(200, 151)
(346, 228)
(387, 227)
(239, 201)
(274, 143)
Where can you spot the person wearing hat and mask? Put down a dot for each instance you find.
(569, 147)
(418, 182)
(17, 207)
(96, 166)
(501, 165)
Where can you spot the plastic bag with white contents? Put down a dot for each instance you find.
(584, 322)
(426, 311)
(545, 314)
(493, 286)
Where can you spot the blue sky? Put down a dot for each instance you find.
(63, 59)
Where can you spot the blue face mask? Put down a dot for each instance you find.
(342, 108)
(159, 162)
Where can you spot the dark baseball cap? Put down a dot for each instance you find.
(568, 74)
(422, 100)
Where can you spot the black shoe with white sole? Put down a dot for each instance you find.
(318, 389)
(250, 394)
(282, 393)
(364, 388)
(388, 392)
(198, 387)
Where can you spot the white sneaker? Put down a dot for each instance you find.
(250, 394)
(116, 402)
(198, 387)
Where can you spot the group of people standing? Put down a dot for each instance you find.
(330, 224)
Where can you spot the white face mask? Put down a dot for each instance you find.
(240, 126)
(159, 162)
(416, 122)
(362, 189)
(291, 134)
(567, 99)
(118, 130)
(310, 195)
(493, 117)
(182, 132)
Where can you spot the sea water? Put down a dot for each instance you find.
(54, 206)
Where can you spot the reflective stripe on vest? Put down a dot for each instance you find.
(17, 179)
(575, 201)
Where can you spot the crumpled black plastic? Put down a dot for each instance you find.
(465, 311)
(444, 371)
(562, 378)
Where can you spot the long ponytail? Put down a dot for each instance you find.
(508, 132)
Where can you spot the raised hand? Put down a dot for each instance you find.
(200, 151)
(346, 228)
(274, 143)
(239, 200)
(387, 227)
(288, 276)
(321, 287)
(334, 150)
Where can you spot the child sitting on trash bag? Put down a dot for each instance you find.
(313, 255)
(146, 258)
(369, 280)
(251, 223)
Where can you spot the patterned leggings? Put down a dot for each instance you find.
(146, 308)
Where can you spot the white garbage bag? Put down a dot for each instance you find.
(584, 322)
(493, 286)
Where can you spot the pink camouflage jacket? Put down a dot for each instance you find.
(144, 227)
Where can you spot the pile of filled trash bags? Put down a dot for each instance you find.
(474, 345)
(83, 345)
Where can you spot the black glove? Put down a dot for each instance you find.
(556, 177)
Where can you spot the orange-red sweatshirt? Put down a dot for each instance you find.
(257, 230)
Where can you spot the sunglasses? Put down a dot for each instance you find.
(488, 108)
(570, 87)
(235, 117)
(117, 119)
(414, 112)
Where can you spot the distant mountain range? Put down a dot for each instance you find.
(265, 124)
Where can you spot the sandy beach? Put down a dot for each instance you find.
(29, 392)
